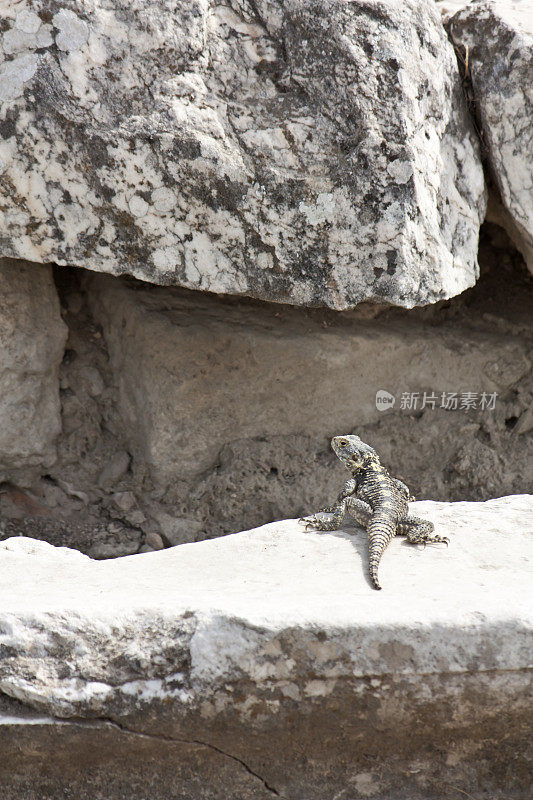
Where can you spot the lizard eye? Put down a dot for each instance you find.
(343, 444)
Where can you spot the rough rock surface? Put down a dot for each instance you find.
(195, 373)
(270, 645)
(32, 339)
(498, 36)
(304, 152)
(448, 8)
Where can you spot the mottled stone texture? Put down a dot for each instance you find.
(194, 373)
(304, 152)
(498, 36)
(268, 655)
(32, 340)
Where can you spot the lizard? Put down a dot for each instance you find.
(376, 500)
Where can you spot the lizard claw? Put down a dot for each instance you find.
(439, 540)
(309, 522)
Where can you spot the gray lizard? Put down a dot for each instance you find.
(376, 500)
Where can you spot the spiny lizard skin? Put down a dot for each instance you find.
(376, 500)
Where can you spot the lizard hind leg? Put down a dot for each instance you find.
(419, 531)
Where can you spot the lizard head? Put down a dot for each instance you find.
(352, 451)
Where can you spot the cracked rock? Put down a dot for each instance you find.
(315, 153)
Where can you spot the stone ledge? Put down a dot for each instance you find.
(270, 645)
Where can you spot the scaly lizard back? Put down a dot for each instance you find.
(375, 499)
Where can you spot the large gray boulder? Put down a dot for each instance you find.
(317, 153)
(264, 664)
(497, 36)
(32, 342)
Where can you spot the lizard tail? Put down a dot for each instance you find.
(380, 531)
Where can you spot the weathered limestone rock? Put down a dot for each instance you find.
(195, 373)
(316, 153)
(32, 341)
(499, 38)
(268, 651)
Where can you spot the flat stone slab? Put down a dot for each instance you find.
(271, 645)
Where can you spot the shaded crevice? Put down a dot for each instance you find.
(463, 65)
(499, 211)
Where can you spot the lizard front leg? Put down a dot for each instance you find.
(337, 512)
(347, 490)
(360, 511)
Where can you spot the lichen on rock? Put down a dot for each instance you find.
(302, 152)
